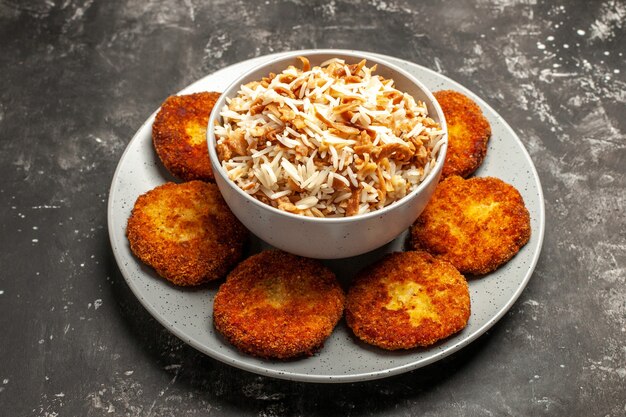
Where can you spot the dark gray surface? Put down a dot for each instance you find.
(79, 77)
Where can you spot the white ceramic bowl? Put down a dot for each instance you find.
(327, 238)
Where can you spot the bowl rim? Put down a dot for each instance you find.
(234, 86)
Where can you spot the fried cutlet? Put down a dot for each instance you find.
(407, 299)
(186, 232)
(179, 135)
(278, 305)
(468, 133)
(476, 224)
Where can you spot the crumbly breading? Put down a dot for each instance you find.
(468, 133)
(477, 224)
(186, 232)
(278, 305)
(179, 135)
(407, 299)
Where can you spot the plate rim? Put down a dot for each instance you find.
(317, 378)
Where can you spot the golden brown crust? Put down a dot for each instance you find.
(476, 224)
(468, 133)
(179, 135)
(278, 305)
(186, 232)
(407, 299)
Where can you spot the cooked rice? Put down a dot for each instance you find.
(327, 141)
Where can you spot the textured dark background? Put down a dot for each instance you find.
(78, 78)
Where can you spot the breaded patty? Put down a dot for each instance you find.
(278, 305)
(468, 133)
(407, 299)
(476, 224)
(186, 232)
(179, 135)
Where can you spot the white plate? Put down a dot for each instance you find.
(187, 312)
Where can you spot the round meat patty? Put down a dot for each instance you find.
(179, 135)
(278, 305)
(186, 232)
(476, 224)
(468, 133)
(406, 300)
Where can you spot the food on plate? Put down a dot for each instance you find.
(477, 224)
(406, 300)
(179, 135)
(278, 305)
(468, 133)
(334, 140)
(186, 232)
